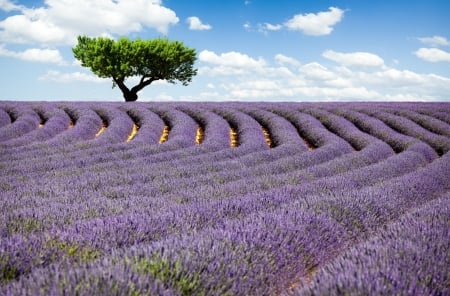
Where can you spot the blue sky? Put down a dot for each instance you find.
(248, 50)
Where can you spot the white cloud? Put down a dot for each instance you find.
(7, 5)
(264, 28)
(316, 71)
(358, 59)
(230, 59)
(271, 27)
(316, 24)
(247, 26)
(57, 76)
(60, 21)
(34, 55)
(196, 24)
(433, 55)
(435, 41)
(285, 60)
(314, 81)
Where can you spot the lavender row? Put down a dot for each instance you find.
(24, 121)
(428, 122)
(86, 130)
(268, 248)
(165, 185)
(441, 144)
(320, 187)
(149, 125)
(409, 257)
(56, 121)
(399, 142)
(220, 177)
(138, 175)
(68, 159)
(93, 236)
(5, 119)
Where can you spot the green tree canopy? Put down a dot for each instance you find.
(151, 60)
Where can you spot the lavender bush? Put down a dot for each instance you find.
(309, 199)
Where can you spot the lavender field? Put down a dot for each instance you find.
(224, 198)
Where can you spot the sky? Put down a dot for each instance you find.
(247, 50)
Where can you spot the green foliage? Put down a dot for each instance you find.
(154, 59)
(73, 250)
(8, 271)
(167, 272)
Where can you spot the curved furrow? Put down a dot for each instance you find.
(148, 122)
(234, 172)
(428, 122)
(342, 128)
(85, 124)
(164, 134)
(24, 120)
(103, 128)
(379, 129)
(90, 149)
(441, 115)
(214, 128)
(56, 121)
(64, 147)
(303, 126)
(271, 175)
(279, 130)
(5, 119)
(182, 128)
(66, 162)
(248, 130)
(234, 137)
(116, 126)
(199, 135)
(40, 113)
(440, 144)
(133, 132)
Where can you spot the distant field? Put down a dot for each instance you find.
(224, 198)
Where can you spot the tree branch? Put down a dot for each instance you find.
(121, 85)
(143, 83)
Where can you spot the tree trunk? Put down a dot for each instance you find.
(130, 96)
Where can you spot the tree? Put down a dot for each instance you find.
(151, 60)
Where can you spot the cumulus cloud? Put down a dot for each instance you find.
(230, 59)
(435, 41)
(315, 81)
(433, 55)
(357, 59)
(57, 76)
(60, 21)
(196, 24)
(7, 5)
(272, 27)
(316, 24)
(229, 63)
(316, 71)
(34, 55)
(285, 60)
(266, 27)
